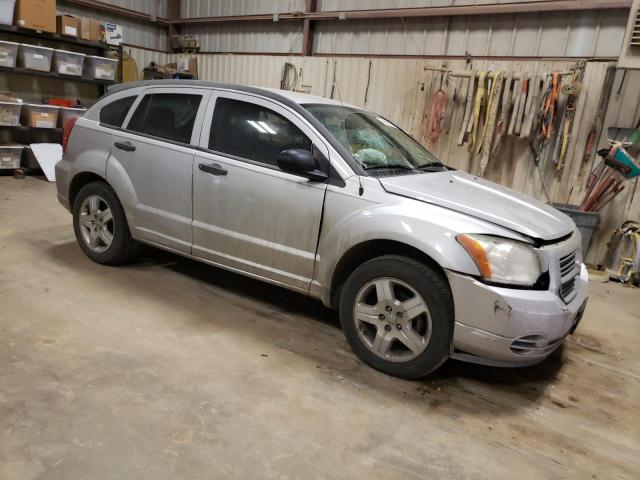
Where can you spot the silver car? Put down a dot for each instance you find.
(423, 262)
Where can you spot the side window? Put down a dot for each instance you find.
(166, 115)
(253, 132)
(114, 113)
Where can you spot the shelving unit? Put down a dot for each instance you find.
(25, 134)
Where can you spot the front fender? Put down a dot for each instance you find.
(350, 221)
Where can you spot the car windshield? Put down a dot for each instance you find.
(375, 143)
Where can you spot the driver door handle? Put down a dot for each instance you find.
(126, 146)
(212, 168)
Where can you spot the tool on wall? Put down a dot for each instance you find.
(598, 120)
(573, 91)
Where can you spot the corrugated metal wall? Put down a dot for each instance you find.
(328, 5)
(588, 33)
(219, 8)
(400, 88)
(134, 32)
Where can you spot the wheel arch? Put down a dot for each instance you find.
(368, 250)
(80, 180)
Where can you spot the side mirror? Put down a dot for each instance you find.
(300, 162)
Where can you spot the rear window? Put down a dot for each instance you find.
(114, 113)
(166, 115)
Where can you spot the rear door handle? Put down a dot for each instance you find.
(126, 146)
(212, 168)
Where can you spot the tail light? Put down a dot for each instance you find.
(66, 132)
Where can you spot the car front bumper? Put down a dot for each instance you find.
(511, 327)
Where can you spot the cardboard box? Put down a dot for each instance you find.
(188, 63)
(90, 29)
(112, 33)
(36, 15)
(67, 25)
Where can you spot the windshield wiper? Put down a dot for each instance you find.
(388, 167)
(431, 166)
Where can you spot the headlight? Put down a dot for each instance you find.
(502, 261)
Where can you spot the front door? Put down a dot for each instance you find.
(248, 214)
(155, 149)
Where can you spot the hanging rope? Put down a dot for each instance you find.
(288, 77)
(432, 128)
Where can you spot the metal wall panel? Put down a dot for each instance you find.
(399, 89)
(332, 5)
(267, 37)
(588, 33)
(134, 32)
(219, 8)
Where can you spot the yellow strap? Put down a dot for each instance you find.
(476, 110)
(496, 78)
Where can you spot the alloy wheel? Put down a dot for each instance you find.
(392, 319)
(96, 223)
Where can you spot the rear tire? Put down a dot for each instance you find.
(101, 227)
(397, 315)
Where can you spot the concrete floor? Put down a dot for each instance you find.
(170, 369)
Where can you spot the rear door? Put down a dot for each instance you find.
(247, 213)
(154, 151)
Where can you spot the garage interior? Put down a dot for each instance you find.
(170, 368)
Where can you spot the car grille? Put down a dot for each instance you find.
(569, 270)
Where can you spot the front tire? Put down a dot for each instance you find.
(397, 315)
(101, 227)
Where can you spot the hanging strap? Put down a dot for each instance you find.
(515, 101)
(524, 86)
(468, 107)
(501, 126)
(532, 101)
(494, 78)
(492, 113)
(477, 108)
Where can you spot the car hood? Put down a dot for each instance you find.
(482, 199)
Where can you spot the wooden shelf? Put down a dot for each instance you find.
(27, 128)
(37, 73)
(56, 37)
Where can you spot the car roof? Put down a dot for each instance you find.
(295, 97)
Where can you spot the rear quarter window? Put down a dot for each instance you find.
(114, 113)
(166, 115)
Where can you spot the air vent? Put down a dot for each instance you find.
(635, 32)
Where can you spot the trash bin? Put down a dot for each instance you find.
(585, 221)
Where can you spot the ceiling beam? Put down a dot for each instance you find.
(307, 29)
(173, 12)
(120, 11)
(490, 9)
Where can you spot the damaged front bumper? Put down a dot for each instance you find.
(511, 327)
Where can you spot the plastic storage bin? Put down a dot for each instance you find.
(66, 113)
(8, 53)
(10, 113)
(68, 63)
(585, 221)
(100, 68)
(10, 156)
(6, 11)
(34, 57)
(40, 116)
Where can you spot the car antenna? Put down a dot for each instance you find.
(361, 189)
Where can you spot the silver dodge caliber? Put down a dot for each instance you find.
(423, 262)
